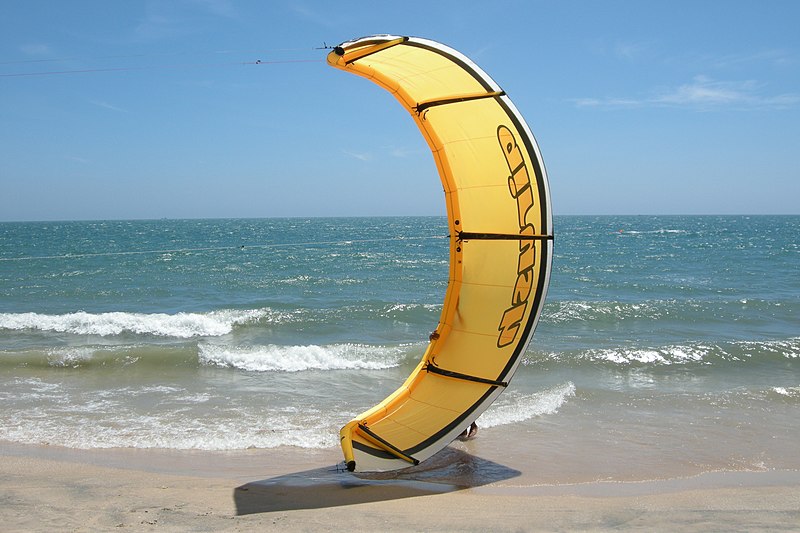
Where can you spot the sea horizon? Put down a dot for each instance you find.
(347, 216)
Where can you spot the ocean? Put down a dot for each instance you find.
(668, 345)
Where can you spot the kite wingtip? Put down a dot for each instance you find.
(351, 466)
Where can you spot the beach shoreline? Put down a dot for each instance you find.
(50, 488)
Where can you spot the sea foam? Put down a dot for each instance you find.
(81, 429)
(788, 392)
(698, 353)
(273, 358)
(179, 325)
(513, 407)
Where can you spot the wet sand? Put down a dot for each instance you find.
(49, 488)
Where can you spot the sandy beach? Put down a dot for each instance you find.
(57, 489)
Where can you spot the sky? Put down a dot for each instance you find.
(220, 108)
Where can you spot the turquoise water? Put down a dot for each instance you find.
(659, 333)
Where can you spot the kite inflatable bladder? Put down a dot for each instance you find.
(498, 208)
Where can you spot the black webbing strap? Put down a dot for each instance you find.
(456, 99)
(466, 377)
(377, 47)
(388, 446)
(468, 235)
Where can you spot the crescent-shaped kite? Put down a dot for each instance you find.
(501, 240)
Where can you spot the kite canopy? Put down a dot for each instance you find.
(498, 209)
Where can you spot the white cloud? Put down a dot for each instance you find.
(384, 152)
(702, 93)
(607, 102)
(220, 8)
(401, 152)
(156, 26)
(705, 91)
(773, 57)
(315, 16)
(106, 105)
(35, 49)
(361, 156)
(631, 51)
(168, 20)
(623, 50)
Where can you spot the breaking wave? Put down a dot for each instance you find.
(273, 358)
(513, 407)
(699, 353)
(179, 325)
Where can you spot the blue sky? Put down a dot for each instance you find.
(151, 109)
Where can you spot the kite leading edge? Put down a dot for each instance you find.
(500, 224)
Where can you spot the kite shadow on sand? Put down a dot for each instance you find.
(448, 471)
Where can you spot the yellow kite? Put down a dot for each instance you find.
(501, 241)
